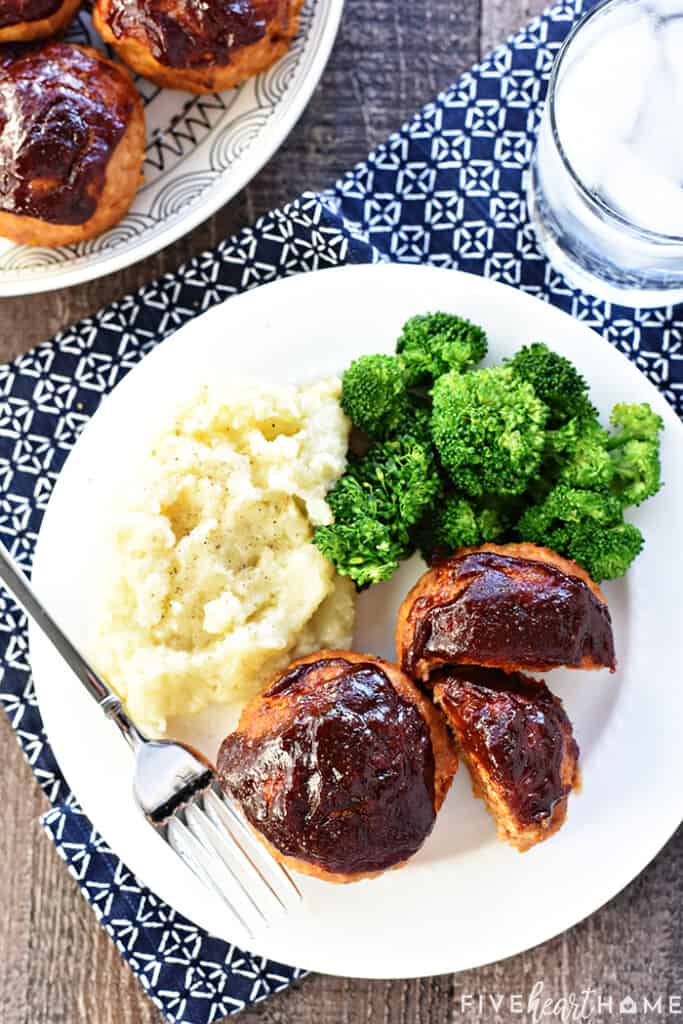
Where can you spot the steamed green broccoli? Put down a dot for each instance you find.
(606, 552)
(634, 450)
(435, 343)
(555, 380)
(568, 506)
(582, 454)
(586, 526)
(634, 422)
(576, 454)
(458, 522)
(488, 428)
(458, 457)
(348, 500)
(637, 472)
(596, 476)
(400, 477)
(374, 394)
(363, 550)
(379, 500)
(415, 420)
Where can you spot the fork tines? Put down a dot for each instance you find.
(214, 840)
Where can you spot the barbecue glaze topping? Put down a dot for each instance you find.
(62, 114)
(335, 768)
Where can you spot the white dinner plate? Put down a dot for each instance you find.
(466, 899)
(200, 151)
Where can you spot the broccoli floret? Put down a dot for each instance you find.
(493, 522)
(434, 343)
(458, 522)
(586, 526)
(555, 380)
(488, 428)
(348, 500)
(582, 454)
(416, 420)
(484, 450)
(379, 500)
(634, 422)
(452, 525)
(374, 394)
(637, 472)
(363, 550)
(399, 478)
(605, 552)
(635, 453)
(577, 455)
(567, 506)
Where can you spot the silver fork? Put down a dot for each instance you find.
(177, 790)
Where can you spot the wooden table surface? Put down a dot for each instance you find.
(56, 965)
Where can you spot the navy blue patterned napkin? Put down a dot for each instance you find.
(446, 190)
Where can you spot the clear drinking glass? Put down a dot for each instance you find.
(605, 190)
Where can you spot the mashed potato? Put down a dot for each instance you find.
(216, 583)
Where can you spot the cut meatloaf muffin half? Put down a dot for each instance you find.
(517, 741)
(510, 606)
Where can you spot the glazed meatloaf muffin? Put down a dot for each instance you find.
(517, 743)
(510, 606)
(22, 21)
(340, 766)
(72, 140)
(202, 47)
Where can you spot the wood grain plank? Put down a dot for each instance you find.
(57, 966)
(500, 18)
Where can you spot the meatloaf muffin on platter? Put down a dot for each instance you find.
(22, 21)
(72, 141)
(201, 47)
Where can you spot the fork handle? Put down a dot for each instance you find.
(20, 588)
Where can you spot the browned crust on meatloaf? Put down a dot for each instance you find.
(257, 720)
(443, 586)
(245, 61)
(517, 742)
